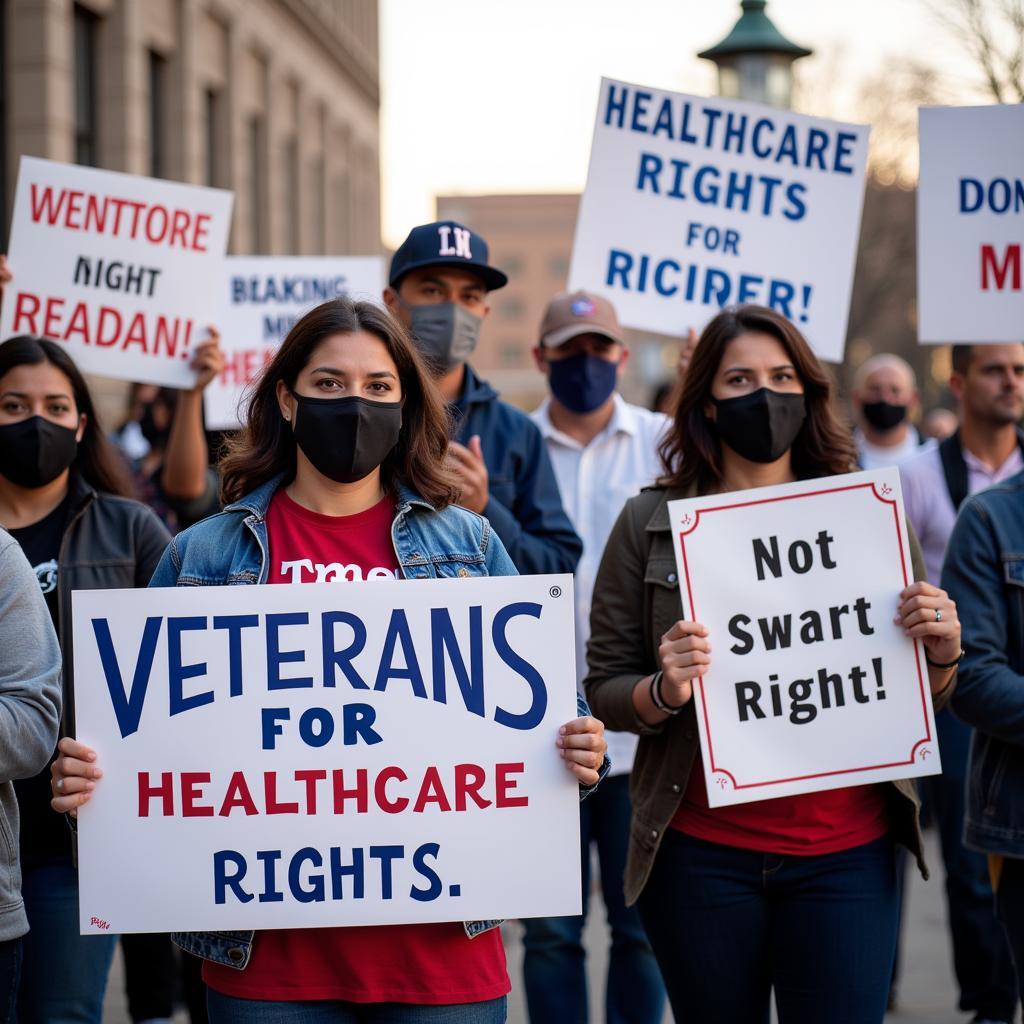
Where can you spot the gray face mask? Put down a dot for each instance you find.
(445, 333)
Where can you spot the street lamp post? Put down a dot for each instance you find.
(755, 60)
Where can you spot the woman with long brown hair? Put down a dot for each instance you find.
(339, 474)
(799, 894)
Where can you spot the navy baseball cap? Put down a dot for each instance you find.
(445, 243)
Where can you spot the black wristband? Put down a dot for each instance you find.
(658, 700)
(949, 664)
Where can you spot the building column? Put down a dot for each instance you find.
(185, 161)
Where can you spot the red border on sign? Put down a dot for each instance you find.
(906, 582)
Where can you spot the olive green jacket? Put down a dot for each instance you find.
(636, 600)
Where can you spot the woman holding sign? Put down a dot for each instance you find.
(339, 473)
(796, 894)
(63, 497)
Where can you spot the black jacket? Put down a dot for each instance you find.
(109, 543)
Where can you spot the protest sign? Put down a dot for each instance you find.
(263, 297)
(328, 754)
(124, 270)
(811, 685)
(693, 204)
(970, 224)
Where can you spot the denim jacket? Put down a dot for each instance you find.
(984, 574)
(232, 548)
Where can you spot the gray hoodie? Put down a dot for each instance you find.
(30, 695)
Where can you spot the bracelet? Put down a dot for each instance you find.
(948, 664)
(658, 700)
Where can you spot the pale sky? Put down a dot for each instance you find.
(482, 96)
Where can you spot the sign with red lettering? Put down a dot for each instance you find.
(337, 753)
(124, 270)
(970, 225)
(811, 685)
(263, 298)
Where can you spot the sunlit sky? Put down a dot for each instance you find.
(484, 96)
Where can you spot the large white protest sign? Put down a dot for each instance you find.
(970, 224)
(327, 754)
(811, 685)
(263, 298)
(124, 270)
(693, 204)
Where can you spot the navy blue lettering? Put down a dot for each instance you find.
(340, 871)
(386, 855)
(398, 634)
(315, 892)
(271, 893)
(234, 624)
(127, 707)
(434, 886)
(177, 673)
(334, 659)
(222, 881)
(444, 642)
(276, 657)
(533, 716)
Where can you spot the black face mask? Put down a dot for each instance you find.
(883, 416)
(346, 439)
(761, 426)
(34, 452)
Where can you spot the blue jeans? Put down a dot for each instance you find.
(10, 972)
(64, 974)
(230, 1010)
(728, 926)
(981, 956)
(1010, 909)
(554, 968)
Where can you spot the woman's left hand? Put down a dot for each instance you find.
(582, 744)
(928, 614)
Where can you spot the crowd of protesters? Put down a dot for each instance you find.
(370, 439)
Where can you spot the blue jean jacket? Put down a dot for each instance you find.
(984, 574)
(232, 548)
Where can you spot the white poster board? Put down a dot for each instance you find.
(970, 225)
(811, 685)
(323, 723)
(122, 269)
(263, 297)
(696, 203)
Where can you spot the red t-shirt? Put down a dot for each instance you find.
(429, 964)
(800, 826)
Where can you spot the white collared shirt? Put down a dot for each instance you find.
(595, 480)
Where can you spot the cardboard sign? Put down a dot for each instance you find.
(970, 225)
(124, 270)
(263, 298)
(327, 754)
(811, 685)
(696, 203)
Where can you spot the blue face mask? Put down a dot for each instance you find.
(584, 382)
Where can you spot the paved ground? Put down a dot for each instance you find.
(927, 993)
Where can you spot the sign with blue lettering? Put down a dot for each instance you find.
(693, 204)
(811, 686)
(970, 225)
(263, 298)
(330, 754)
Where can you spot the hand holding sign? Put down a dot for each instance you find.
(208, 361)
(685, 654)
(929, 614)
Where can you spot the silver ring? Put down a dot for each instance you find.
(938, 615)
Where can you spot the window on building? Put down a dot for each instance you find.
(511, 353)
(558, 266)
(511, 307)
(211, 109)
(257, 186)
(291, 184)
(86, 127)
(157, 115)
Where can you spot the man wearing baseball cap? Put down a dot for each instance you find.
(438, 285)
(603, 451)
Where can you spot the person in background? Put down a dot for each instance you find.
(64, 499)
(130, 436)
(796, 895)
(885, 400)
(938, 424)
(438, 286)
(341, 466)
(987, 447)
(984, 571)
(603, 451)
(29, 716)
